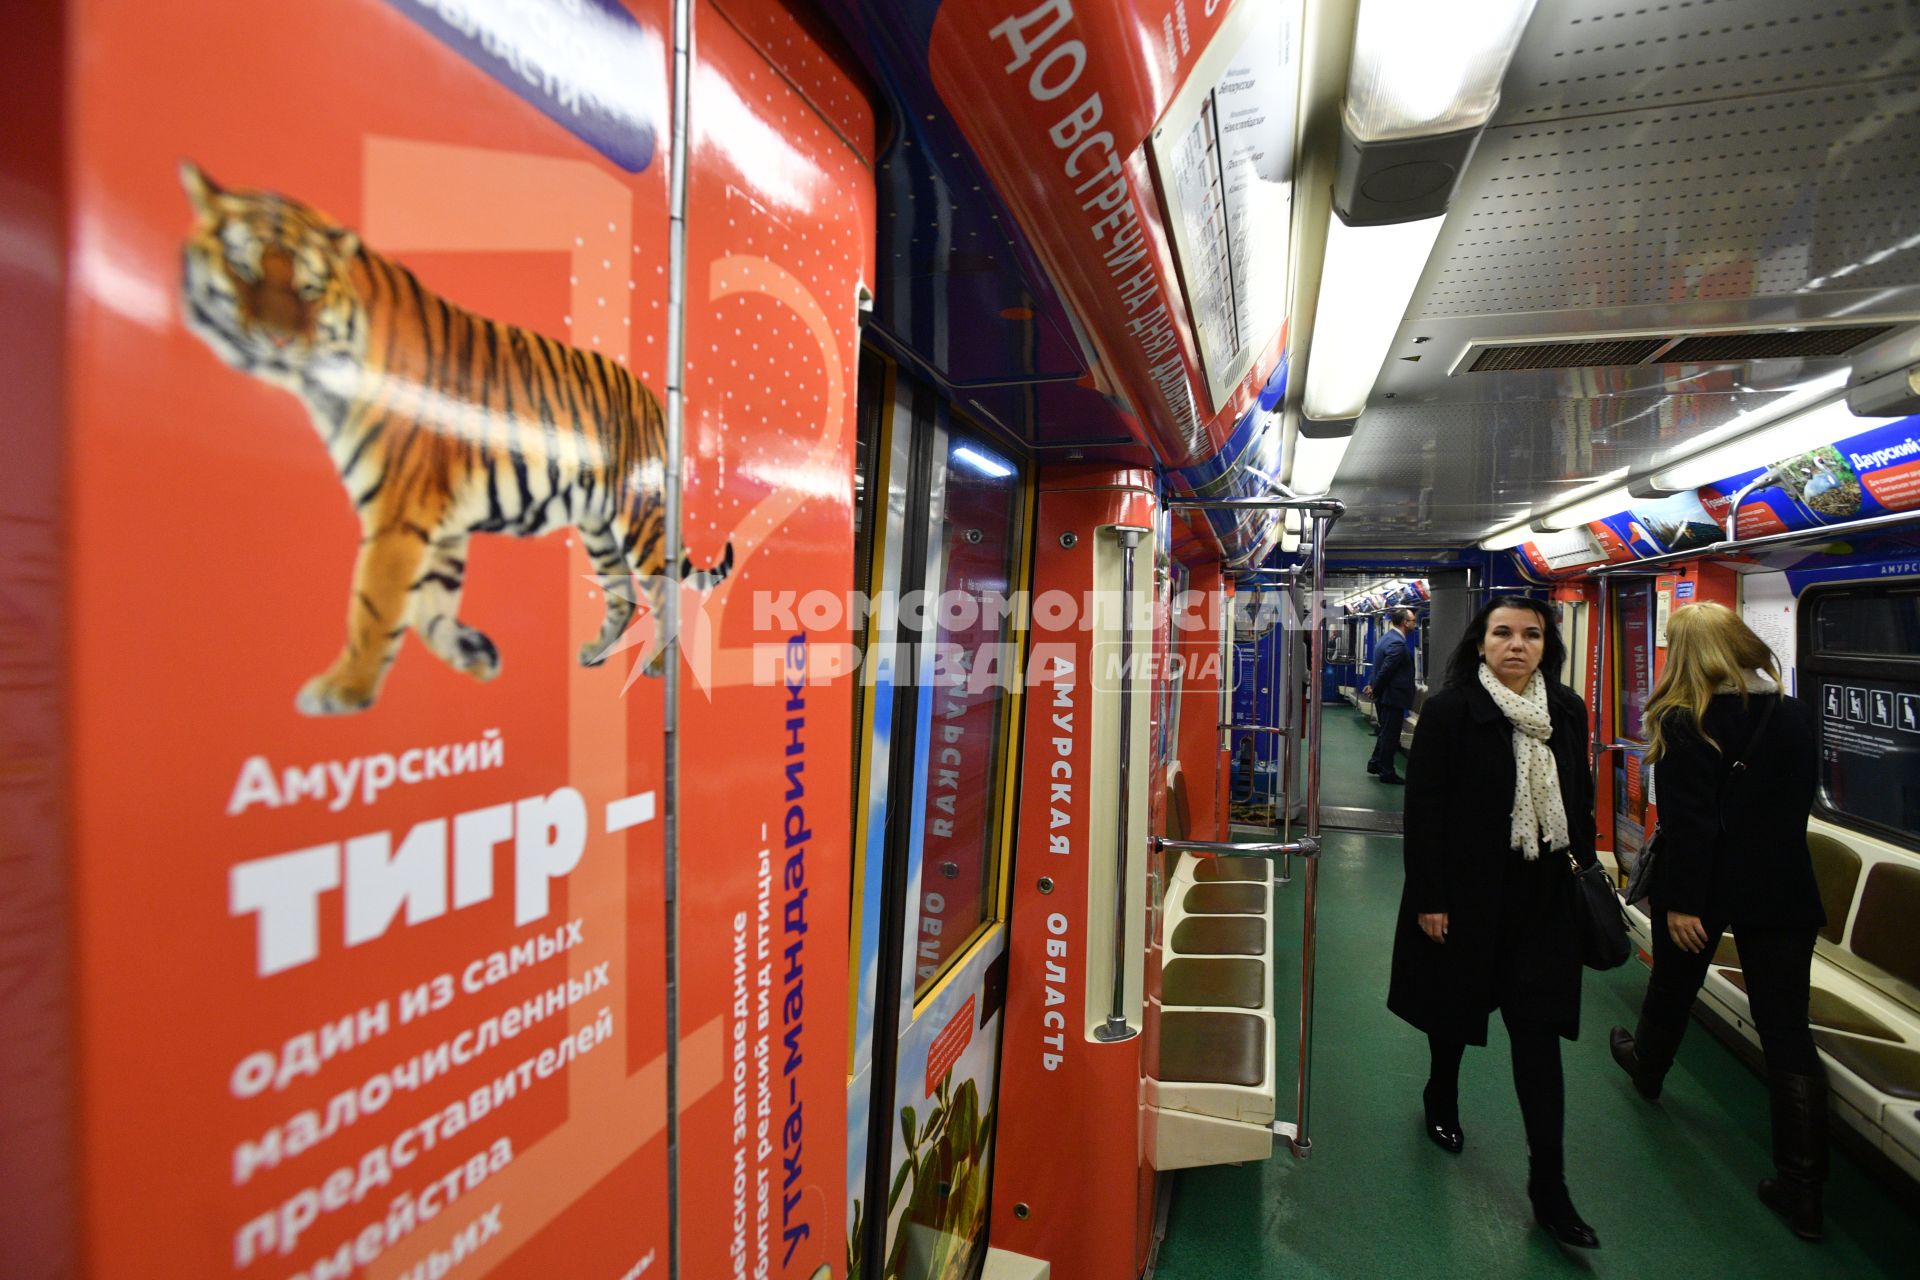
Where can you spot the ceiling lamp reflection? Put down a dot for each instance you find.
(1421, 68)
(1801, 433)
(984, 463)
(1315, 461)
(1365, 286)
(1604, 497)
(1506, 538)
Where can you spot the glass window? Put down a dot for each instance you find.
(1868, 624)
(976, 669)
(1860, 665)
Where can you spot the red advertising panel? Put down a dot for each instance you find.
(367, 364)
(368, 360)
(780, 239)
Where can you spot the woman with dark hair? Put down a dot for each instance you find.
(1499, 807)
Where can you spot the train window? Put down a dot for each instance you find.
(1862, 625)
(1860, 664)
(975, 670)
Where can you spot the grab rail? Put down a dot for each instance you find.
(1116, 1028)
(1324, 512)
(1306, 847)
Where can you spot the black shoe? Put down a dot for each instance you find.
(1798, 1203)
(1622, 1045)
(1391, 779)
(1553, 1209)
(1443, 1124)
(1799, 1151)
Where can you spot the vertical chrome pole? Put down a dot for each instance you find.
(1316, 672)
(1226, 675)
(676, 417)
(1116, 1027)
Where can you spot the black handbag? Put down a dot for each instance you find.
(1601, 919)
(1640, 879)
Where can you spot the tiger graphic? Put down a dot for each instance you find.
(441, 423)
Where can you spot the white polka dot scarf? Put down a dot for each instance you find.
(1538, 811)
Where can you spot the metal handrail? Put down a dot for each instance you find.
(1116, 1027)
(1255, 728)
(1298, 1140)
(1306, 847)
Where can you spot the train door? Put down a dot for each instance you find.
(944, 524)
(1631, 685)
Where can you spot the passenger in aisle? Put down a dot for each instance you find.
(1499, 803)
(1392, 692)
(1735, 771)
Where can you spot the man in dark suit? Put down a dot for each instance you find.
(1392, 692)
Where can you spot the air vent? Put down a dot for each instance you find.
(1799, 344)
(1566, 355)
(1820, 341)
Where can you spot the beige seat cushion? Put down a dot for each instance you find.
(1220, 936)
(1825, 1009)
(1887, 1068)
(1212, 870)
(1239, 899)
(1212, 1048)
(1214, 980)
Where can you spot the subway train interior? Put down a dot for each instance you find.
(918, 493)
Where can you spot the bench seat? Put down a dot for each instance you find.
(1210, 1093)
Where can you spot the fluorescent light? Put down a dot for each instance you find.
(1784, 439)
(1422, 68)
(1315, 460)
(1505, 538)
(1366, 281)
(1604, 497)
(985, 464)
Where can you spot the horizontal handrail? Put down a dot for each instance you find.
(1314, 506)
(1255, 728)
(1305, 847)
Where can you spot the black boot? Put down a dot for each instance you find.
(1553, 1209)
(1443, 1119)
(1647, 1054)
(1799, 1151)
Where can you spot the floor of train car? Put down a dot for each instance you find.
(1669, 1188)
(1347, 744)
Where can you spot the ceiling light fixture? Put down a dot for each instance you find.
(1422, 85)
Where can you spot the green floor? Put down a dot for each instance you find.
(1669, 1187)
(1346, 744)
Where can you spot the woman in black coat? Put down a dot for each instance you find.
(1487, 917)
(1735, 769)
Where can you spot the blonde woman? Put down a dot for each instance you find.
(1735, 768)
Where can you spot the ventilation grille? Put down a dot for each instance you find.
(1707, 348)
(1803, 344)
(1566, 355)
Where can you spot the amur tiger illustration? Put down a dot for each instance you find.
(441, 423)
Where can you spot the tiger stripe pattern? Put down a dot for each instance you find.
(441, 424)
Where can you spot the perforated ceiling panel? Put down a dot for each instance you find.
(1585, 59)
(1443, 473)
(1719, 200)
(1697, 165)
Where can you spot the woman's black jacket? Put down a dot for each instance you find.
(1756, 871)
(1511, 939)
